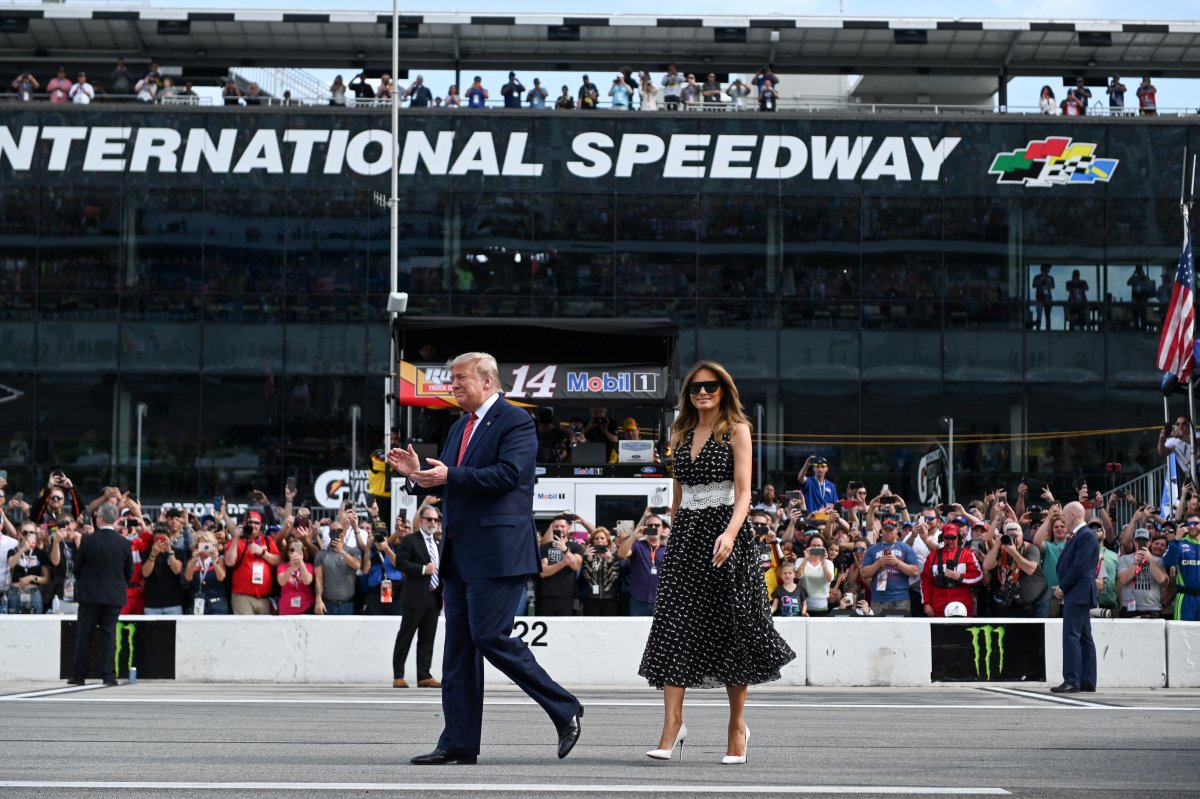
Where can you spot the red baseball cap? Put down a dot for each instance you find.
(254, 515)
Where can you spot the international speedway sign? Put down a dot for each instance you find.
(592, 154)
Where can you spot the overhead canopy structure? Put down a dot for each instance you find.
(205, 41)
(543, 360)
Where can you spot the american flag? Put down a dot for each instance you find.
(1178, 334)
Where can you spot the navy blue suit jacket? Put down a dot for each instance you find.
(487, 502)
(1077, 569)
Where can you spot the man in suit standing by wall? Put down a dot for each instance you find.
(420, 598)
(103, 568)
(1077, 568)
(485, 479)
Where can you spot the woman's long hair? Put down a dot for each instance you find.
(729, 412)
(1047, 91)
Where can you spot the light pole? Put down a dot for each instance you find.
(355, 413)
(137, 481)
(947, 424)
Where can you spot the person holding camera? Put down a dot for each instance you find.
(816, 575)
(29, 570)
(561, 561)
(645, 553)
(25, 85)
(251, 554)
(336, 569)
(601, 570)
(1140, 577)
(205, 576)
(295, 578)
(162, 592)
(384, 577)
(1013, 572)
(887, 567)
(949, 574)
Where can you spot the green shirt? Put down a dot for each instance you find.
(1108, 597)
(1050, 563)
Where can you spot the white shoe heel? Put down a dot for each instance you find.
(737, 760)
(665, 754)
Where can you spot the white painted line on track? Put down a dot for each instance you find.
(70, 689)
(498, 787)
(1048, 703)
(1062, 700)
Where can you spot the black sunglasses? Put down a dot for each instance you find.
(431, 518)
(709, 386)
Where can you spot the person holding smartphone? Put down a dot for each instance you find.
(816, 575)
(205, 576)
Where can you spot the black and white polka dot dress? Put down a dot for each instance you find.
(712, 627)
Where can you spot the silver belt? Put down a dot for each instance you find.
(711, 495)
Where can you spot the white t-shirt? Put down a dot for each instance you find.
(82, 93)
(1183, 452)
(6, 545)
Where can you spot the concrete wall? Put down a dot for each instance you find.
(1183, 654)
(1130, 653)
(595, 651)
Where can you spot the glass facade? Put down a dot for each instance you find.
(239, 290)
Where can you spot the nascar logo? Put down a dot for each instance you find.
(1056, 161)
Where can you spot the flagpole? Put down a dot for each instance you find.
(1185, 209)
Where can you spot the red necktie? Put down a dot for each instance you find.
(462, 448)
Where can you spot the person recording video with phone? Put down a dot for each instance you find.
(205, 577)
(645, 553)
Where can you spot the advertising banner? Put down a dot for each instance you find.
(427, 385)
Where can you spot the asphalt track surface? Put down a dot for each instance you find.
(333, 741)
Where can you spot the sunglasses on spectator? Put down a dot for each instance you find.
(1191, 523)
(653, 526)
(709, 386)
(57, 497)
(431, 518)
(256, 524)
(950, 537)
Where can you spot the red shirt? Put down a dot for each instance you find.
(295, 597)
(244, 573)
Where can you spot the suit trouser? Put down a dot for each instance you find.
(479, 621)
(1079, 651)
(419, 620)
(91, 614)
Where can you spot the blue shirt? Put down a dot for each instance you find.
(818, 495)
(475, 98)
(645, 563)
(896, 588)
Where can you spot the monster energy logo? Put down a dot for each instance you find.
(130, 629)
(986, 632)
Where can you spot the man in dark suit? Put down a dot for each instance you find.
(103, 568)
(485, 479)
(420, 597)
(1079, 594)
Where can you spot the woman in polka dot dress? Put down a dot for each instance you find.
(712, 621)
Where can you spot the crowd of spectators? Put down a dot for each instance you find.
(148, 88)
(821, 553)
(1077, 99)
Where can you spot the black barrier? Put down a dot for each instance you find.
(148, 645)
(988, 650)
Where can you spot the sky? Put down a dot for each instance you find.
(1172, 93)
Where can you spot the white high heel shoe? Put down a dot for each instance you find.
(665, 754)
(735, 760)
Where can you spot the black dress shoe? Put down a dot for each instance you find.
(1088, 689)
(440, 757)
(1065, 688)
(111, 683)
(74, 681)
(568, 734)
